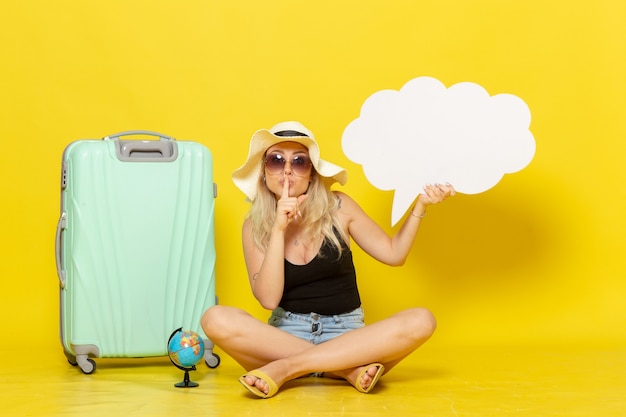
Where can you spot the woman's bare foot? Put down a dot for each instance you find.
(267, 379)
(259, 383)
(368, 374)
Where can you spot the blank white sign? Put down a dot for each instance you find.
(428, 134)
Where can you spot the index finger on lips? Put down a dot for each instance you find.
(285, 187)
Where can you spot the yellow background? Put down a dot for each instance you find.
(537, 260)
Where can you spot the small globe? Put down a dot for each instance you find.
(185, 348)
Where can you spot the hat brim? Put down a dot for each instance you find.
(246, 176)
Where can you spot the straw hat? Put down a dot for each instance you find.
(246, 177)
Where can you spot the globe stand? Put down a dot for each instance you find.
(186, 383)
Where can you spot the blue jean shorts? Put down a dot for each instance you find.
(316, 328)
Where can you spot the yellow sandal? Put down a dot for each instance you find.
(375, 378)
(273, 388)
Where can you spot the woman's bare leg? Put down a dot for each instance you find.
(251, 342)
(387, 341)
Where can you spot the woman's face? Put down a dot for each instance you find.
(287, 161)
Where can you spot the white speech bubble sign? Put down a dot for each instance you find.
(429, 134)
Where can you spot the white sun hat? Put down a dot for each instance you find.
(246, 177)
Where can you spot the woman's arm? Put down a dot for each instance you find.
(374, 240)
(266, 270)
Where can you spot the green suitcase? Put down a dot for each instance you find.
(135, 246)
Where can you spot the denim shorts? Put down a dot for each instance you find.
(316, 328)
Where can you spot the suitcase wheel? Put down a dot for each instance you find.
(212, 360)
(87, 365)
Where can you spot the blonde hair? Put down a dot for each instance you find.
(318, 213)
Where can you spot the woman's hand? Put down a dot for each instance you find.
(287, 208)
(434, 194)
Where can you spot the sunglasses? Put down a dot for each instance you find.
(275, 164)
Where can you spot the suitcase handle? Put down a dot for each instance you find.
(59, 249)
(163, 150)
(117, 136)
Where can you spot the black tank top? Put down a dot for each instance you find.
(326, 285)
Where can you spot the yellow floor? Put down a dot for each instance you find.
(432, 382)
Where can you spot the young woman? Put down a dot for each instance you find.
(296, 243)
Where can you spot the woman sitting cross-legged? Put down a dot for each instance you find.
(296, 243)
